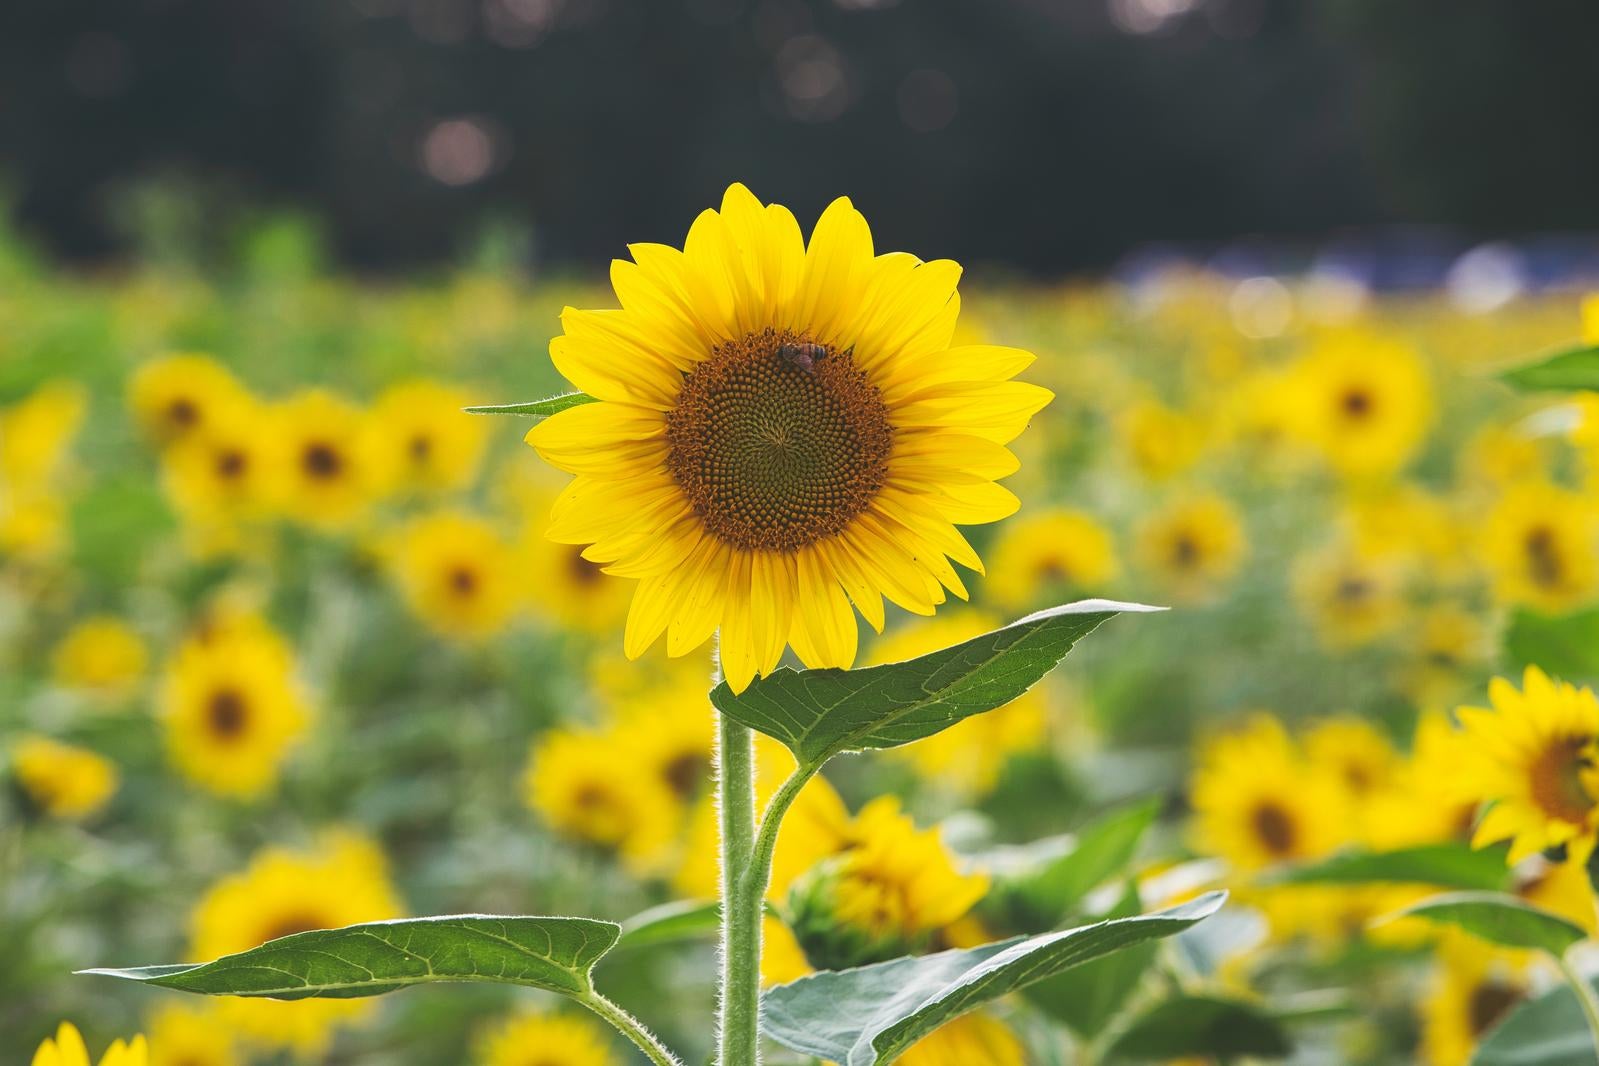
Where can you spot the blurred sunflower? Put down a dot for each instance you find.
(332, 470)
(431, 444)
(781, 429)
(191, 1036)
(183, 395)
(1405, 521)
(1351, 598)
(1193, 546)
(531, 1039)
(61, 780)
(1366, 402)
(1042, 554)
(457, 573)
(343, 880)
(1364, 759)
(1495, 456)
(232, 707)
(1426, 802)
(1541, 545)
(970, 1040)
(885, 896)
(35, 436)
(576, 782)
(671, 736)
(101, 656)
(225, 478)
(1160, 441)
(1534, 759)
(67, 1048)
(1473, 990)
(967, 757)
(1444, 648)
(561, 584)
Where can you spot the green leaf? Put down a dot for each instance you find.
(550, 405)
(1037, 899)
(1569, 370)
(1565, 646)
(872, 1014)
(670, 922)
(555, 954)
(1201, 1025)
(1547, 1031)
(1501, 919)
(1085, 998)
(819, 713)
(1444, 865)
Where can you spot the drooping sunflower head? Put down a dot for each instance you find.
(1536, 760)
(783, 428)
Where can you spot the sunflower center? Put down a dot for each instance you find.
(583, 571)
(321, 461)
(1356, 403)
(1490, 1001)
(231, 464)
(420, 448)
(1352, 589)
(463, 582)
(1543, 556)
(685, 773)
(1556, 779)
(1274, 828)
(1184, 552)
(227, 713)
(183, 412)
(778, 442)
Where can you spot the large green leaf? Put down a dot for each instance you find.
(1502, 919)
(1086, 998)
(1548, 1031)
(550, 405)
(1201, 1026)
(819, 713)
(1565, 646)
(1037, 899)
(555, 954)
(872, 1014)
(1570, 370)
(1444, 865)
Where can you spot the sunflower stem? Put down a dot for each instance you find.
(1585, 996)
(631, 1028)
(739, 1028)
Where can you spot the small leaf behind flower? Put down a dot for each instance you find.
(1445, 865)
(1036, 899)
(1201, 1026)
(1501, 919)
(550, 405)
(555, 954)
(872, 1014)
(1570, 370)
(819, 713)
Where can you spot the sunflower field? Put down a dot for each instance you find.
(291, 643)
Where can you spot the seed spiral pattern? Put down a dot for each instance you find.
(777, 450)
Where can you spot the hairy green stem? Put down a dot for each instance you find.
(631, 1028)
(738, 1038)
(1585, 996)
(771, 823)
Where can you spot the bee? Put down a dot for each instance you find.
(803, 354)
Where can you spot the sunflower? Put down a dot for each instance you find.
(1352, 598)
(342, 881)
(184, 394)
(782, 429)
(576, 783)
(886, 895)
(1407, 522)
(970, 1040)
(226, 478)
(191, 1036)
(1258, 802)
(563, 585)
(1426, 803)
(67, 1048)
(1444, 648)
(61, 780)
(232, 707)
(35, 435)
(102, 656)
(671, 735)
(1541, 545)
(1473, 990)
(531, 1039)
(1366, 402)
(1361, 756)
(1496, 456)
(1193, 546)
(332, 469)
(968, 756)
(457, 573)
(1045, 553)
(1160, 441)
(1534, 761)
(431, 445)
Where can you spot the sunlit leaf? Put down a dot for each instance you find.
(1501, 919)
(550, 405)
(1564, 646)
(1569, 370)
(872, 1014)
(819, 713)
(1445, 865)
(1086, 998)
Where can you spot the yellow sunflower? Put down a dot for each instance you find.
(1444, 647)
(431, 445)
(184, 394)
(1362, 757)
(67, 1048)
(232, 707)
(1352, 598)
(968, 756)
(102, 656)
(672, 735)
(1541, 544)
(1473, 990)
(1535, 762)
(782, 429)
(1366, 402)
(576, 782)
(545, 1040)
(458, 574)
(1193, 546)
(332, 469)
(62, 780)
(1160, 441)
(35, 435)
(560, 583)
(342, 881)
(1426, 802)
(970, 1040)
(226, 478)
(1042, 554)
(191, 1036)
